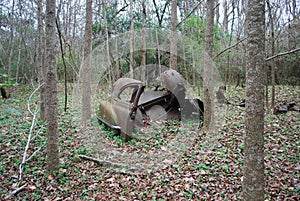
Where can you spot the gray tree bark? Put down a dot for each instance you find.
(225, 18)
(11, 39)
(208, 69)
(51, 89)
(117, 60)
(217, 12)
(40, 59)
(86, 72)
(173, 45)
(143, 60)
(273, 67)
(253, 182)
(131, 40)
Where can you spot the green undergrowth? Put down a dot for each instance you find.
(197, 175)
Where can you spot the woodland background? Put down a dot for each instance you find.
(22, 46)
(41, 39)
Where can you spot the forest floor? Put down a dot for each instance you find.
(216, 175)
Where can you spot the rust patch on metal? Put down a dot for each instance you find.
(130, 105)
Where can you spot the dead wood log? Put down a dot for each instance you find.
(129, 169)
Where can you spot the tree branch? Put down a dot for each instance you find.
(282, 54)
(29, 99)
(160, 18)
(228, 48)
(64, 61)
(27, 145)
(30, 132)
(15, 191)
(186, 17)
(122, 9)
(112, 164)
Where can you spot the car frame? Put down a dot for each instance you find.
(131, 106)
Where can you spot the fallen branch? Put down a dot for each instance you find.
(114, 165)
(32, 155)
(282, 54)
(27, 145)
(34, 114)
(15, 191)
(29, 99)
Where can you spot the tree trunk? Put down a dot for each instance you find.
(131, 40)
(143, 61)
(40, 59)
(253, 182)
(117, 60)
(229, 59)
(51, 89)
(107, 47)
(173, 45)
(11, 39)
(225, 30)
(294, 9)
(208, 90)
(86, 71)
(217, 11)
(273, 65)
(225, 18)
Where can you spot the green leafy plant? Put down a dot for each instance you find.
(8, 81)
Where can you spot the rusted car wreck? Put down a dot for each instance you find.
(131, 106)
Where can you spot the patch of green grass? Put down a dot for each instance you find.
(83, 151)
(201, 167)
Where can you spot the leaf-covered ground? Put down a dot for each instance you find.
(216, 175)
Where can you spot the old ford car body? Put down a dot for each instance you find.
(131, 106)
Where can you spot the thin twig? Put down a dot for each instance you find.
(187, 16)
(29, 99)
(15, 191)
(122, 9)
(64, 61)
(282, 54)
(38, 132)
(228, 48)
(112, 164)
(33, 154)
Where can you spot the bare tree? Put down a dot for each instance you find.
(143, 61)
(159, 16)
(117, 60)
(217, 11)
(208, 110)
(229, 64)
(40, 59)
(51, 89)
(173, 45)
(86, 73)
(131, 39)
(253, 182)
(225, 18)
(11, 39)
(273, 67)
